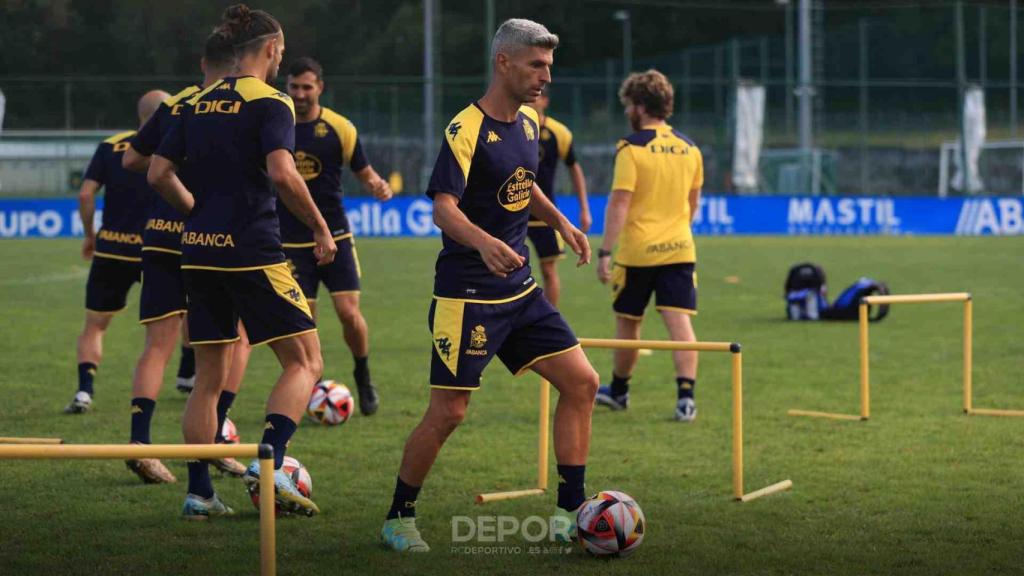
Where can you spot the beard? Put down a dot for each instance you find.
(635, 121)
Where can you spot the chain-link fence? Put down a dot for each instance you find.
(886, 84)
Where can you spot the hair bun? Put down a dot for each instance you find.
(237, 14)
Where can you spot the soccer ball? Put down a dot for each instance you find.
(300, 476)
(331, 403)
(611, 524)
(229, 432)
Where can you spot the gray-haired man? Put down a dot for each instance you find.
(486, 302)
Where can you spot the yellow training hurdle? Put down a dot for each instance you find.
(865, 364)
(265, 453)
(737, 417)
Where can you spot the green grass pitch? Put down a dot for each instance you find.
(919, 489)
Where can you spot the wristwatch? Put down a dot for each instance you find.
(602, 253)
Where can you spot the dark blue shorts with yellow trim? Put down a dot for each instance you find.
(674, 287)
(267, 300)
(468, 334)
(163, 289)
(339, 276)
(110, 279)
(546, 241)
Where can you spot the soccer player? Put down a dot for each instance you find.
(237, 138)
(486, 302)
(655, 189)
(115, 250)
(555, 145)
(162, 304)
(326, 142)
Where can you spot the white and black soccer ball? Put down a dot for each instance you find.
(611, 524)
(330, 404)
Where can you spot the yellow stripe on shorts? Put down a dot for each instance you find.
(448, 332)
(284, 284)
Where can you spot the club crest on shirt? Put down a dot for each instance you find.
(320, 130)
(514, 194)
(307, 164)
(528, 129)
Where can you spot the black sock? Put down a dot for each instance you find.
(187, 365)
(403, 503)
(199, 482)
(620, 385)
(142, 414)
(362, 371)
(685, 386)
(570, 486)
(276, 432)
(86, 373)
(223, 407)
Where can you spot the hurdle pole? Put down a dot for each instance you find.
(31, 441)
(865, 382)
(264, 452)
(737, 423)
(268, 536)
(968, 355)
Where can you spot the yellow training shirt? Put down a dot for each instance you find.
(659, 166)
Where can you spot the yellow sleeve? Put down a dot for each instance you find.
(698, 173)
(624, 177)
(461, 134)
(346, 131)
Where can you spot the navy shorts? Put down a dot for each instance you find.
(106, 291)
(339, 276)
(163, 290)
(467, 334)
(546, 241)
(268, 301)
(674, 287)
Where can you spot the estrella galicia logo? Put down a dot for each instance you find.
(444, 346)
(308, 165)
(514, 194)
(453, 129)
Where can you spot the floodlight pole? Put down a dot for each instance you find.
(489, 29)
(429, 7)
(627, 40)
(805, 91)
(1013, 68)
(961, 81)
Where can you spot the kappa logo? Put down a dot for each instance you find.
(444, 346)
(492, 137)
(136, 409)
(122, 146)
(294, 294)
(528, 129)
(454, 128)
(320, 130)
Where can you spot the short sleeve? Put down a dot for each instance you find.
(172, 145)
(278, 129)
(448, 175)
(570, 156)
(625, 168)
(357, 161)
(97, 169)
(147, 140)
